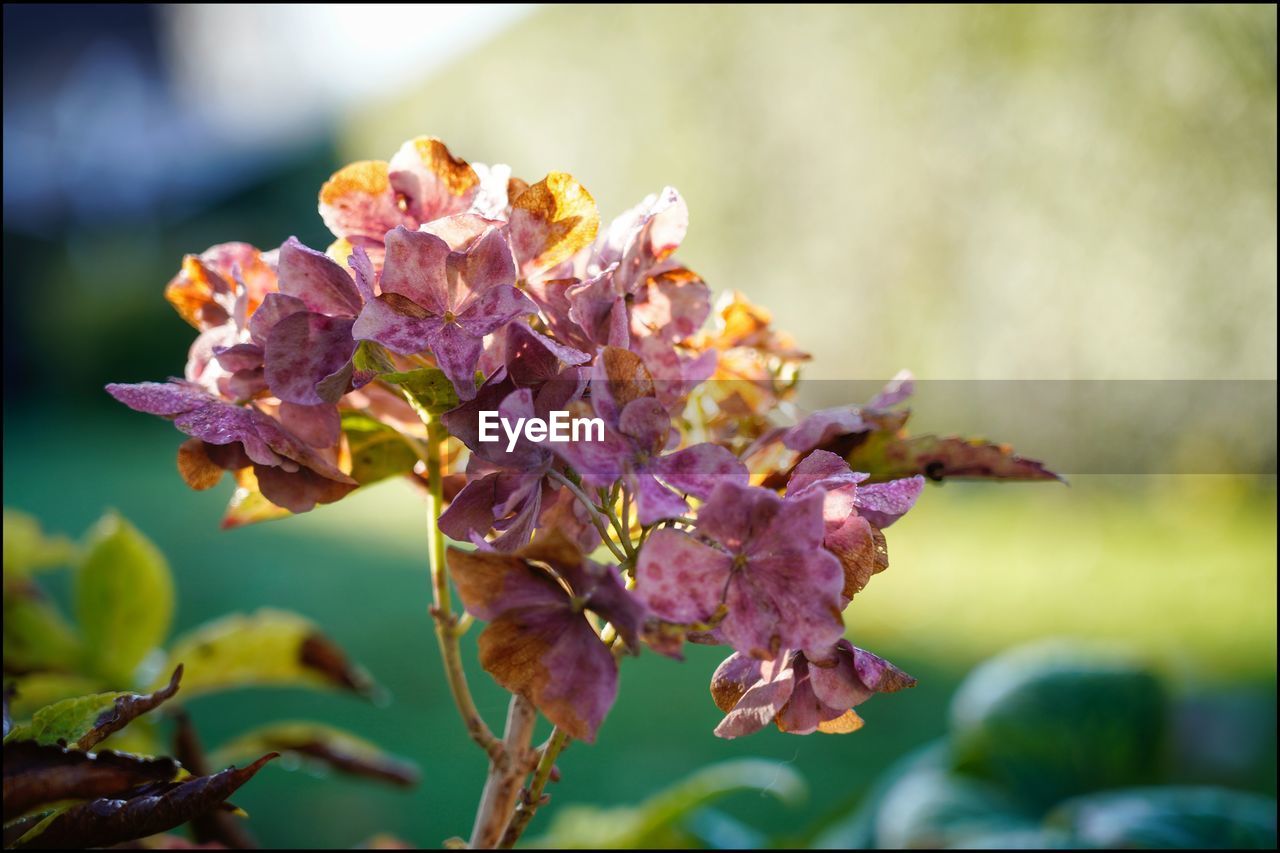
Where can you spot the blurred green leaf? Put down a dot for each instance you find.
(656, 822)
(377, 451)
(1171, 818)
(37, 637)
(1049, 721)
(266, 648)
(123, 598)
(35, 690)
(319, 744)
(930, 807)
(858, 829)
(85, 721)
(27, 549)
(427, 389)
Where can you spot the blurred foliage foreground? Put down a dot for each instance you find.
(1050, 745)
(89, 764)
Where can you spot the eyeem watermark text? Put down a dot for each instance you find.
(560, 428)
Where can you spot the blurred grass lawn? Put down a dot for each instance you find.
(1183, 569)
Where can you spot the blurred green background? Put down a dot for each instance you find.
(979, 193)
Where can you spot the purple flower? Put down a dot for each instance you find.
(443, 289)
(290, 473)
(539, 642)
(506, 489)
(799, 692)
(758, 557)
(854, 513)
(637, 432)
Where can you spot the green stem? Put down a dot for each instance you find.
(596, 518)
(446, 623)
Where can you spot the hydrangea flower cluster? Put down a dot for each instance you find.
(454, 289)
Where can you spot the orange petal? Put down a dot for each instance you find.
(550, 221)
(357, 200)
(842, 725)
(195, 466)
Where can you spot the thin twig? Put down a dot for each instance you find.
(596, 518)
(502, 787)
(532, 799)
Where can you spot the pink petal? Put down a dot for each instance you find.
(314, 278)
(679, 578)
(698, 469)
(304, 350)
(415, 268)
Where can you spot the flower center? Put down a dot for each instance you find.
(450, 317)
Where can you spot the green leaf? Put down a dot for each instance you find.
(427, 389)
(266, 648)
(85, 721)
(35, 690)
(319, 744)
(933, 808)
(1171, 817)
(123, 599)
(658, 819)
(36, 775)
(371, 358)
(1049, 721)
(27, 549)
(378, 451)
(37, 637)
(152, 809)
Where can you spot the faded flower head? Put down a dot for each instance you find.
(453, 291)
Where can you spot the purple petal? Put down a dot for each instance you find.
(494, 308)
(647, 423)
(696, 470)
(787, 599)
(759, 704)
(365, 275)
(673, 306)
(314, 278)
(160, 398)
(415, 269)
(239, 357)
(835, 679)
(884, 503)
(489, 264)
(655, 501)
(397, 323)
(554, 659)
(822, 469)
(822, 426)
(318, 426)
(532, 357)
(600, 463)
(274, 308)
(896, 391)
(457, 351)
(679, 578)
(301, 490)
(305, 349)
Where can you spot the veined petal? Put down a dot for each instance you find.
(457, 351)
(396, 322)
(698, 469)
(313, 277)
(679, 578)
(302, 351)
(414, 267)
